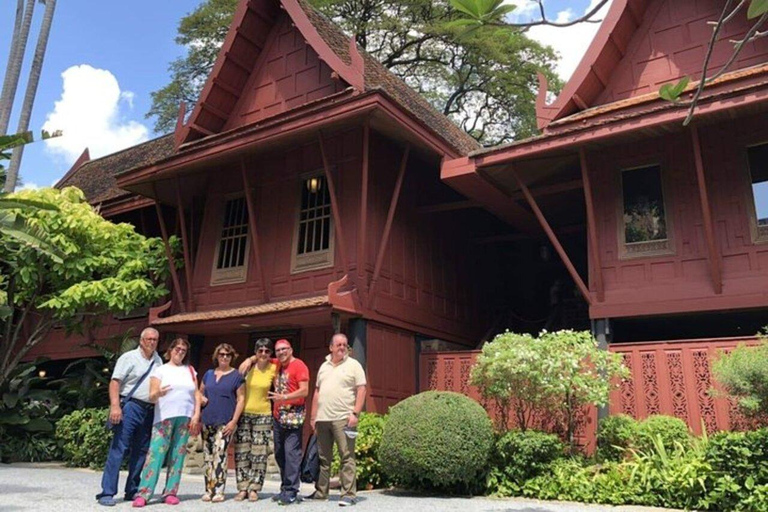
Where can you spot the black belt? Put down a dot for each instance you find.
(141, 403)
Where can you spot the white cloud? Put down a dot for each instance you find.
(89, 114)
(28, 186)
(570, 43)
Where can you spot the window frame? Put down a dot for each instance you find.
(754, 227)
(315, 260)
(634, 250)
(231, 275)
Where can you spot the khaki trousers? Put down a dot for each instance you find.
(328, 433)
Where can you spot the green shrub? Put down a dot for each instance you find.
(369, 473)
(669, 429)
(519, 456)
(28, 447)
(615, 435)
(743, 373)
(437, 441)
(739, 462)
(83, 437)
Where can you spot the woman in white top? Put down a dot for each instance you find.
(173, 389)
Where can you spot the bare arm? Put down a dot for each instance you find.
(154, 389)
(313, 415)
(115, 412)
(246, 365)
(359, 403)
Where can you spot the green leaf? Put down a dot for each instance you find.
(38, 425)
(7, 202)
(757, 8)
(10, 400)
(672, 92)
(13, 418)
(468, 7)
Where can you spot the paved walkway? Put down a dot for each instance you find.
(52, 487)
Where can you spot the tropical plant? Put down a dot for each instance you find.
(519, 456)
(84, 440)
(615, 436)
(29, 95)
(107, 268)
(553, 375)
(743, 374)
(26, 413)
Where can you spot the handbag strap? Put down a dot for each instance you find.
(141, 379)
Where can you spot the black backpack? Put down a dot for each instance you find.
(310, 464)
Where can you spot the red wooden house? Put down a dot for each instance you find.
(313, 191)
(305, 188)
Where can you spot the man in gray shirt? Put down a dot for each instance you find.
(132, 416)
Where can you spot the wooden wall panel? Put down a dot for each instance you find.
(671, 43)
(288, 75)
(681, 281)
(391, 367)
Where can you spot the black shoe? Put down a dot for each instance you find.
(129, 497)
(316, 496)
(287, 500)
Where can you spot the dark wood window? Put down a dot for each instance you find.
(757, 157)
(645, 225)
(313, 239)
(231, 258)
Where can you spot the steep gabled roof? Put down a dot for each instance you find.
(96, 178)
(246, 41)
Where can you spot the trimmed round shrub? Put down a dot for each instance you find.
(666, 428)
(437, 440)
(519, 456)
(615, 435)
(369, 431)
(84, 438)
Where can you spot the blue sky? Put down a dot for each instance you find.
(112, 55)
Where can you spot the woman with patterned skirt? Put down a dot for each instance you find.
(254, 431)
(173, 389)
(223, 391)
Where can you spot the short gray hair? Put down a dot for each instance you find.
(337, 335)
(147, 331)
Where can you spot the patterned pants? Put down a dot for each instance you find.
(252, 447)
(215, 445)
(169, 438)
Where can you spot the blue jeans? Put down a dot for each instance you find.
(131, 437)
(288, 457)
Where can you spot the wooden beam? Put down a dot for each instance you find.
(215, 111)
(553, 238)
(706, 213)
(388, 225)
(185, 246)
(226, 87)
(448, 207)
(169, 253)
(204, 131)
(253, 230)
(594, 246)
(550, 189)
(363, 227)
(334, 204)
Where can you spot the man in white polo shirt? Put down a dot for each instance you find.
(336, 405)
(131, 413)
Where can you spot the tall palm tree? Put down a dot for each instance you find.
(15, 59)
(29, 96)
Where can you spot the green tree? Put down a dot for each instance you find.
(105, 268)
(743, 374)
(553, 375)
(484, 81)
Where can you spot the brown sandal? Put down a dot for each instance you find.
(241, 496)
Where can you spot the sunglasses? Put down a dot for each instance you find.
(284, 349)
(225, 354)
(263, 351)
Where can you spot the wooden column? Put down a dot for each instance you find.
(169, 253)
(185, 247)
(334, 205)
(363, 219)
(253, 230)
(594, 246)
(553, 239)
(706, 213)
(388, 225)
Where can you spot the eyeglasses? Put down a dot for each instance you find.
(180, 350)
(263, 351)
(225, 354)
(284, 349)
